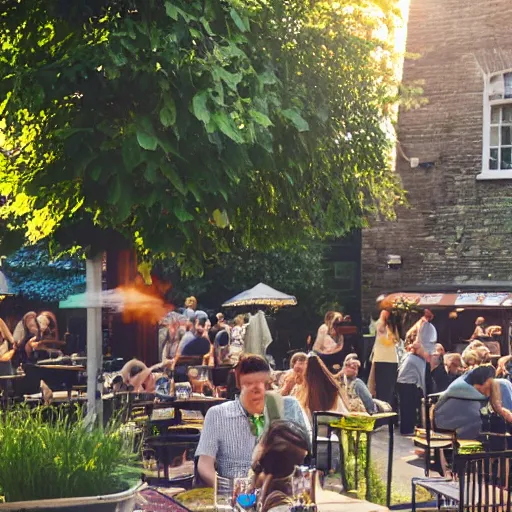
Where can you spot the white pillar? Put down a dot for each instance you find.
(94, 341)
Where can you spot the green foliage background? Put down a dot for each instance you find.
(195, 126)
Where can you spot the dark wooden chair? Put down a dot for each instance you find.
(432, 440)
(481, 481)
(173, 450)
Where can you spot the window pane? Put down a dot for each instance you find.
(495, 115)
(496, 87)
(507, 114)
(495, 137)
(506, 158)
(493, 160)
(505, 136)
(508, 85)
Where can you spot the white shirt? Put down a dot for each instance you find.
(427, 336)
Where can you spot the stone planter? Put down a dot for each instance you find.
(119, 502)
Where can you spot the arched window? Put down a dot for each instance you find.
(497, 136)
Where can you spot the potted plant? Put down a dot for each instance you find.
(52, 460)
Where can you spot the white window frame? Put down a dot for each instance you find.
(486, 173)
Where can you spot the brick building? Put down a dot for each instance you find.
(458, 227)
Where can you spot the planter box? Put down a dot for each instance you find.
(119, 502)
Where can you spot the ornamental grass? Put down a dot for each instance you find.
(49, 453)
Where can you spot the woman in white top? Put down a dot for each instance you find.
(385, 360)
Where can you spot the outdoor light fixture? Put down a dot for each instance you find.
(394, 261)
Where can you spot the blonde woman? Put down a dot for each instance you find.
(328, 340)
(384, 370)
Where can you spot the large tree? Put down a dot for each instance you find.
(192, 126)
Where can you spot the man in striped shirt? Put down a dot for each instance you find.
(231, 430)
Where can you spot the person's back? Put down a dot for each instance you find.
(459, 407)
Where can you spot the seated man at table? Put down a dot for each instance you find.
(459, 407)
(232, 429)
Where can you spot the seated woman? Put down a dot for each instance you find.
(470, 359)
(320, 391)
(444, 374)
(359, 396)
(459, 407)
(26, 335)
(282, 447)
(138, 377)
(480, 328)
(294, 377)
(331, 346)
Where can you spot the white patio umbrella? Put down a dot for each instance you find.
(261, 295)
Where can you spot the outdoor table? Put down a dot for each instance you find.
(390, 418)
(57, 374)
(195, 403)
(201, 404)
(326, 501)
(329, 501)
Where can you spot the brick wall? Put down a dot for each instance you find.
(457, 228)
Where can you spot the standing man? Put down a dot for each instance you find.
(231, 430)
(426, 335)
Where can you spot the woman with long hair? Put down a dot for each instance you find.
(320, 390)
(331, 345)
(26, 333)
(282, 447)
(48, 326)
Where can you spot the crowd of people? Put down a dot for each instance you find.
(267, 428)
(192, 335)
(231, 431)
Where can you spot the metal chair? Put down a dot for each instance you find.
(324, 419)
(434, 440)
(481, 481)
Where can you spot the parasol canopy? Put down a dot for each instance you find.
(117, 300)
(261, 295)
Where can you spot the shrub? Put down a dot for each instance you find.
(52, 453)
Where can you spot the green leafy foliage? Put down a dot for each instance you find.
(50, 453)
(148, 116)
(300, 271)
(34, 273)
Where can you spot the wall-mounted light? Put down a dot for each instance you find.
(394, 261)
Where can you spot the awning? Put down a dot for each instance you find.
(461, 299)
